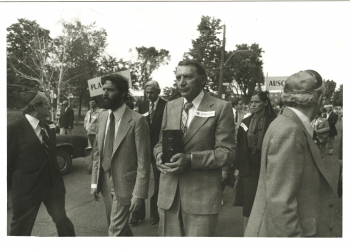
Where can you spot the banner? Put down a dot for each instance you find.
(275, 82)
(95, 84)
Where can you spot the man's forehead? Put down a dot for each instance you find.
(185, 69)
(151, 89)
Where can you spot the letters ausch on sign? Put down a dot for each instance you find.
(275, 82)
(95, 84)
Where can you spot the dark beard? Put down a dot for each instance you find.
(109, 104)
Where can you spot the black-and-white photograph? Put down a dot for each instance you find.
(182, 119)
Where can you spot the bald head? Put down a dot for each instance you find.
(152, 90)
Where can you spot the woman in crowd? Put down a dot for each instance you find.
(321, 131)
(249, 143)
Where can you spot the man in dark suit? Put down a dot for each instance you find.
(67, 119)
(33, 169)
(153, 110)
(189, 197)
(332, 119)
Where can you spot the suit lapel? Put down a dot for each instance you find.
(197, 122)
(174, 114)
(315, 151)
(123, 129)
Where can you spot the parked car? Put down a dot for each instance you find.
(69, 147)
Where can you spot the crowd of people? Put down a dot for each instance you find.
(277, 159)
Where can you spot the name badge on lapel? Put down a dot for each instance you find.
(145, 114)
(205, 113)
(52, 126)
(244, 127)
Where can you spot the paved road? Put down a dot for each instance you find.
(88, 216)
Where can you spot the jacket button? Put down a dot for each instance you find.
(330, 229)
(331, 205)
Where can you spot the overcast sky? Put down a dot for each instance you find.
(294, 36)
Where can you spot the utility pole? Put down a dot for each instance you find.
(221, 77)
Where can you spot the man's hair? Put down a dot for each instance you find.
(236, 100)
(152, 84)
(307, 98)
(120, 82)
(30, 107)
(197, 65)
(303, 99)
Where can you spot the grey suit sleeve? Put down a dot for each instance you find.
(223, 152)
(143, 147)
(284, 163)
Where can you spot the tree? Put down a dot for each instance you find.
(78, 51)
(247, 69)
(243, 67)
(110, 64)
(148, 60)
(330, 87)
(171, 93)
(206, 49)
(29, 51)
(338, 96)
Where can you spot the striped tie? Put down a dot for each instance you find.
(184, 118)
(151, 112)
(45, 138)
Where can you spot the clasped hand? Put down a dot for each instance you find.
(178, 163)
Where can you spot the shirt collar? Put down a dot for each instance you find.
(155, 103)
(304, 119)
(32, 120)
(196, 101)
(118, 113)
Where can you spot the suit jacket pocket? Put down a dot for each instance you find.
(309, 227)
(130, 175)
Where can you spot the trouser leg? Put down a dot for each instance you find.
(23, 219)
(106, 193)
(170, 221)
(91, 140)
(154, 198)
(119, 225)
(199, 225)
(55, 206)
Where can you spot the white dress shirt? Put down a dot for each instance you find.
(118, 114)
(192, 111)
(35, 125)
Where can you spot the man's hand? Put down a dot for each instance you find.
(178, 163)
(159, 164)
(94, 194)
(236, 174)
(135, 204)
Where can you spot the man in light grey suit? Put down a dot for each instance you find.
(189, 198)
(122, 157)
(294, 195)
